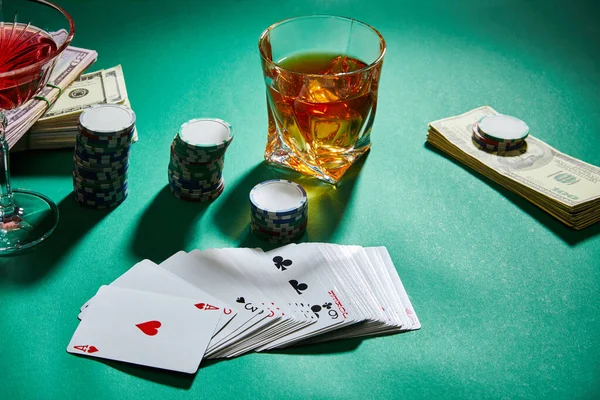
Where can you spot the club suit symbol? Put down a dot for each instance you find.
(299, 287)
(316, 308)
(280, 263)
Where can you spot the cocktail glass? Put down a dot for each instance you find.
(28, 53)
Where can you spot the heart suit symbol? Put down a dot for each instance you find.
(150, 328)
(205, 306)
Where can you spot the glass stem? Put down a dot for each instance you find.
(7, 205)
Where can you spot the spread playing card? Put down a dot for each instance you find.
(148, 276)
(226, 302)
(145, 328)
(252, 315)
(241, 265)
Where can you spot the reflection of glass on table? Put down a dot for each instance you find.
(322, 75)
(28, 54)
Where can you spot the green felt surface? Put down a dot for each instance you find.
(508, 297)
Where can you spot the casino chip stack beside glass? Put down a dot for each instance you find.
(197, 159)
(500, 133)
(279, 211)
(101, 157)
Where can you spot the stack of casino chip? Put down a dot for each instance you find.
(279, 211)
(101, 157)
(500, 133)
(197, 159)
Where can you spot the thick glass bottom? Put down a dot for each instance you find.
(33, 220)
(329, 169)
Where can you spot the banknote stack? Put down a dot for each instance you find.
(72, 62)
(566, 188)
(222, 303)
(57, 128)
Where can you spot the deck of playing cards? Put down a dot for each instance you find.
(226, 302)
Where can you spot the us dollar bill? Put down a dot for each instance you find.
(57, 128)
(564, 186)
(100, 87)
(72, 62)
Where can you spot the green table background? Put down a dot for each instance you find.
(508, 297)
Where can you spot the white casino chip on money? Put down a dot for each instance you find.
(107, 119)
(503, 128)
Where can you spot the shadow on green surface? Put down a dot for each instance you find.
(33, 264)
(57, 162)
(333, 347)
(161, 376)
(570, 236)
(326, 206)
(165, 226)
(185, 381)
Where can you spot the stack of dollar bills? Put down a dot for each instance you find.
(565, 187)
(72, 62)
(57, 128)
